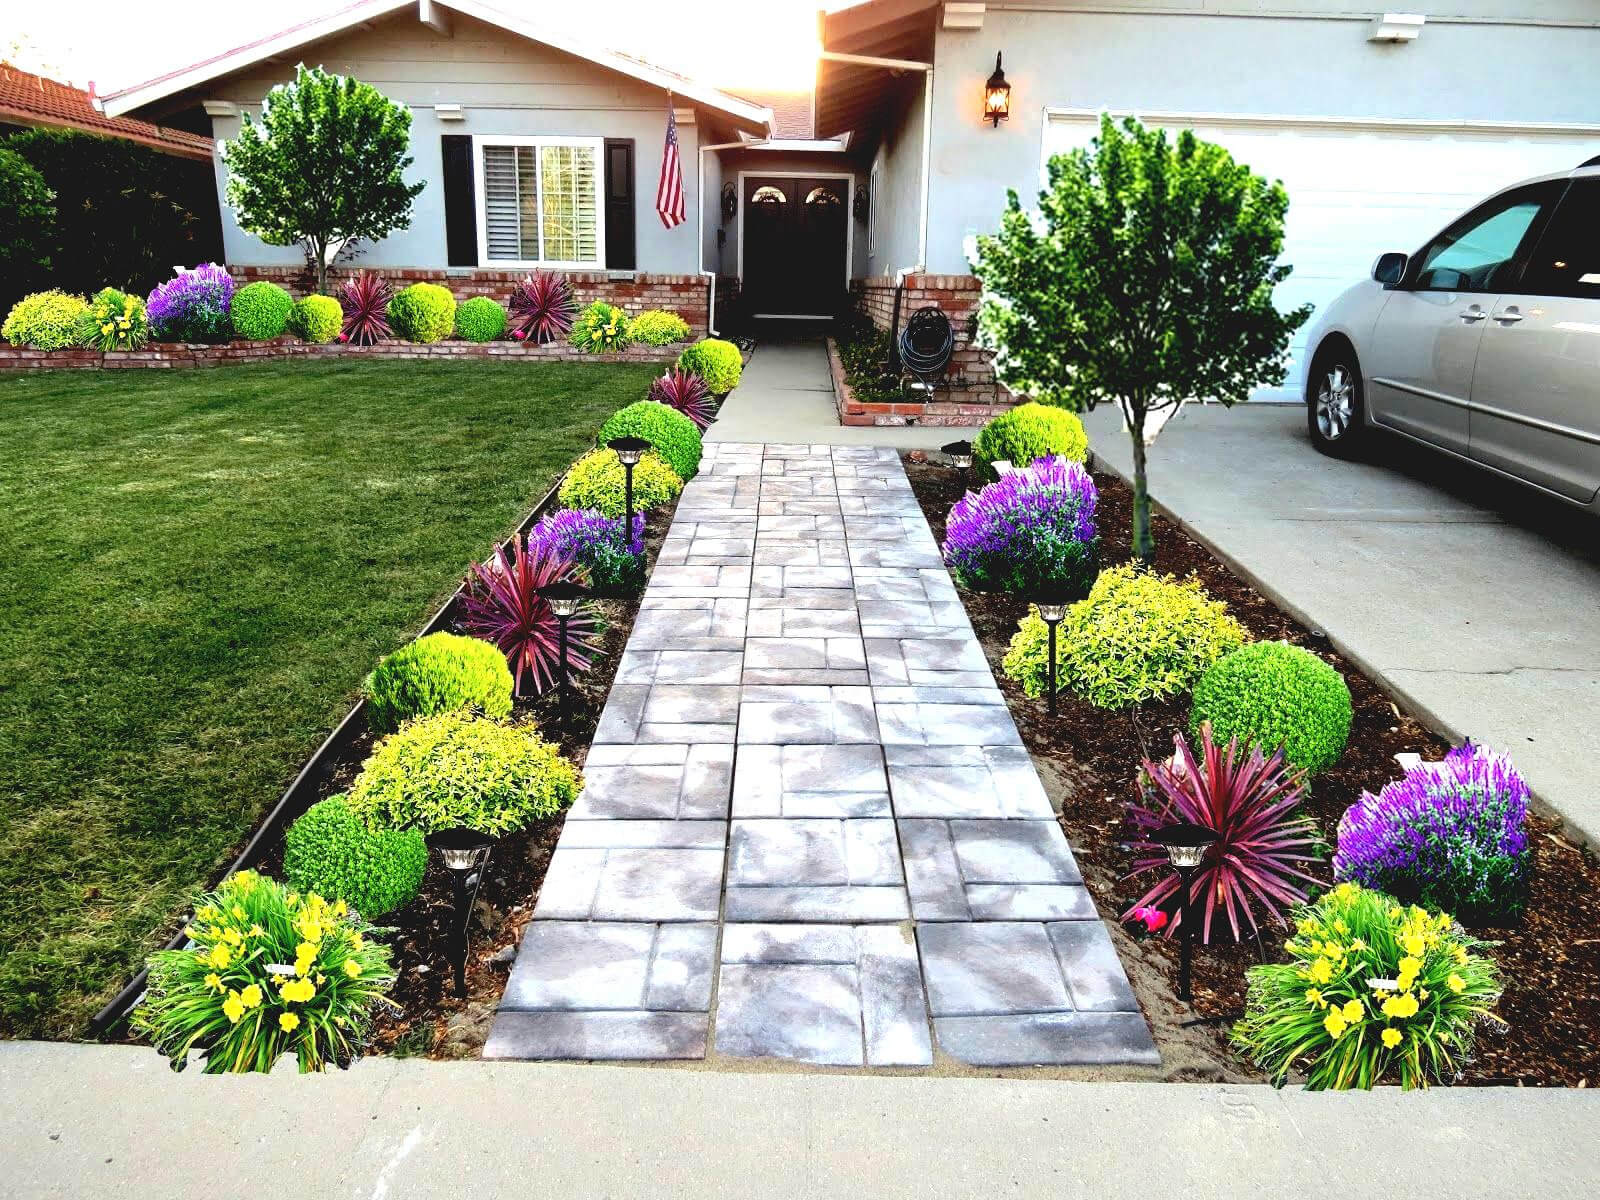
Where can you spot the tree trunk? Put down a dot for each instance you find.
(322, 269)
(1144, 546)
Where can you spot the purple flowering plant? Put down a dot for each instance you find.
(1450, 835)
(1030, 529)
(192, 306)
(595, 542)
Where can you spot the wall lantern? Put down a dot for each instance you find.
(997, 96)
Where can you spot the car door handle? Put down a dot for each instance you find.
(1510, 317)
(1469, 315)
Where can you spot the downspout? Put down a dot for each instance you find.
(901, 275)
(711, 276)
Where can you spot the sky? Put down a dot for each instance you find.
(762, 44)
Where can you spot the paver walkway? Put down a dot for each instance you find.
(810, 830)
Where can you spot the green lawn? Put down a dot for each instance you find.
(199, 568)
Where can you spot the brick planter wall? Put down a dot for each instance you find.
(174, 355)
(953, 411)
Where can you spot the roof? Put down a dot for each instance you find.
(791, 112)
(851, 95)
(29, 99)
(743, 113)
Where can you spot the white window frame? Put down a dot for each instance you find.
(596, 144)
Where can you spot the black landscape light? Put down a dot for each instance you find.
(465, 853)
(1186, 845)
(564, 597)
(997, 96)
(629, 450)
(1052, 605)
(960, 456)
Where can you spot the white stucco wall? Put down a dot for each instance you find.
(897, 194)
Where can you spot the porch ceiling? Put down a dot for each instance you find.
(850, 96)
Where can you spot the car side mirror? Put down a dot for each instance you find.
(1390, 268)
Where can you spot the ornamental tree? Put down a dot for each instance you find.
(1145, 279)
(324, 167)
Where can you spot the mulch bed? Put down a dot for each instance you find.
(1550, 962)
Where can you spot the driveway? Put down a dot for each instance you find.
(1475, 601)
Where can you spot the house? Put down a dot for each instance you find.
(29, 101)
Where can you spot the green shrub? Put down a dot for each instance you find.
(716, 361)
(596, 481)
(1275, 694)
(1027, 432)
(1372, 991)
(439, 673)
(673, 435)
(1137, 637)
(480, 319)
(658, 327)
(45, 321)
(27, 225)
(423, 312)
(317, 319)
(331, 852)
(459, 769)
(114, 321)
(601, 329)
(271, 972)
(260, 311)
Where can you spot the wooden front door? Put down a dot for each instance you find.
(796, 237)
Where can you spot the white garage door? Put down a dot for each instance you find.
(1358, 189)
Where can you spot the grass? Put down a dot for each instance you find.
(199, 568)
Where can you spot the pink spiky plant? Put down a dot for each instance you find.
(502, 605)
(686, 392)
(542, 308)
(365, 300)
(1249, 801)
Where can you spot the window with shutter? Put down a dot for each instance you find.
(542, 205)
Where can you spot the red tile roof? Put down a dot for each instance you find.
(28, 99)
(791, 113)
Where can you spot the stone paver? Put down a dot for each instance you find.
(810, 829)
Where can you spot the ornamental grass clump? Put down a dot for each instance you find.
(684, 392)
(1251, 800)
(601, 329)
(1032, 529)
(672, 434)
(596, 543)
(439, 673)
(542, 308)
(461, 770)
(45, 321)
(114, 321)
(1028, 432)
(502, 604)
(192, 306)
(1373, 992)
(330, 851)
(1450, 835)
(365, 301)
(270, 972)
(1277, 695)
(597, 481)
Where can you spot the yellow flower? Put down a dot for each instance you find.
(340, 909)
(1339, 925)
(352, 968)
(233, 936)
(1321, 971)
(1456, 983)
(1314, 998)
(1413, 944)
(288, 1022)
(1391, 1038)
(214, 981)
(1353, 1011)
(257, 931)
(356, 941)
(238, 913)
(1358, 945)
(1334, 1023)
(220, 955)
(299, 990)
(251, 996)
(233, 1008)
(1401, 1006)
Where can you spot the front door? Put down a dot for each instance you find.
(796, 234)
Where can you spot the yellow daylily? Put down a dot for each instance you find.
(233, 1008)
(1391, 1038)
(288, 1022)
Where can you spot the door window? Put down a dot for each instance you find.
(1479, 253)
(1567, 260)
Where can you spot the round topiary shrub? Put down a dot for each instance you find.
(330, 851)
(459, 769)
(596, 481)
(480, 319)
(45, 321)
(423, 312)
(442, 672)
(260, 311)
(317, 319)
(673, 435)
(113, 321)
(1138, 636)
(1030, 530)
(1027, 432)
(601, 329)
(1274, 694)
(716, 361)
(658, 327)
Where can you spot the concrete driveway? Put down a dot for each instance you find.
(1475, 601)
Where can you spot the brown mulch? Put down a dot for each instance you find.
(1088, 756)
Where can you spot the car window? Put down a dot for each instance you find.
(1479, 252)
(1567, 259)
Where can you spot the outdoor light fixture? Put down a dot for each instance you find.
(1186, 844)
(1052, 606)
(629, 451)
(997, 96)
(465, 853)
(564, 598)
(959, 454)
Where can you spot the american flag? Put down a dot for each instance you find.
(669, 192)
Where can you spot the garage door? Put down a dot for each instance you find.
(1358, 189)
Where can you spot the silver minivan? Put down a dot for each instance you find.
(1485, 343)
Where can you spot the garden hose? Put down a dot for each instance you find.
(926, 344)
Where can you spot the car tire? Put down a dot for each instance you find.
(1336, 413)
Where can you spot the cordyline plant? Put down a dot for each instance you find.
(502, 605)
(1248, 800)
(324, 168)
(542, 309)
(1145, 279)
(365, 301)
(686, 392)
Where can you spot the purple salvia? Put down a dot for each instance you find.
(1029, 529)
(192, 306)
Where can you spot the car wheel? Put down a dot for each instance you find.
(1335, 412)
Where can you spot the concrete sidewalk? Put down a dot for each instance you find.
(81, 1121)
(1471, 598)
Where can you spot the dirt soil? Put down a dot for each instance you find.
(1088, 757)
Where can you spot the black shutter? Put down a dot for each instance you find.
(460, 205)
(620, 254)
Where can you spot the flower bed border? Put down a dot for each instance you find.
(170, 355)
(907, 412)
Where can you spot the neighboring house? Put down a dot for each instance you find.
(29, 101)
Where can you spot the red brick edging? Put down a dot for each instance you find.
(177, 354)
(906, 412)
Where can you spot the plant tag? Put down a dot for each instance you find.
(1383, 985)
(280, 969)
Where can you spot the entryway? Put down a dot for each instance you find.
(794, 244)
